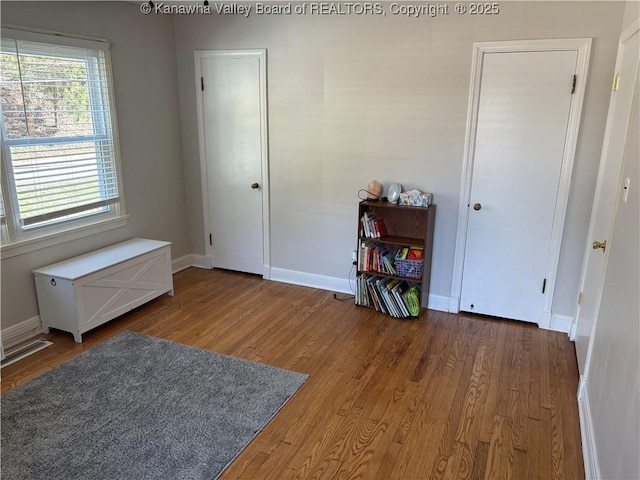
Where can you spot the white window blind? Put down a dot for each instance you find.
(60, 152)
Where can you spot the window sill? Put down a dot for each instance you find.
(33, 244)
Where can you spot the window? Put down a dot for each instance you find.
(60, 165)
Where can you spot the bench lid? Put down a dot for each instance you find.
(97, 260)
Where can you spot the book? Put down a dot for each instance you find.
(364, 256)
(362, 297)
(392, 296)
(389, 264)
(381, 285)
(392, 299)
(377, 301)
(372, 227)
(380, 228)
(374, 257)
(365, 225)
(397, 291)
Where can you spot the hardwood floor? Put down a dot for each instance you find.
(443, 396)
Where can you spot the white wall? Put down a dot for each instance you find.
(631, 13)
(144, 70)
(353, 98)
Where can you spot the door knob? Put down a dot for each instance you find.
(477, 206)
(255, 185)
(597, 245)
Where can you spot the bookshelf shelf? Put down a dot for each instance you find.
(402, 226)
(394, 240)
(387, 275)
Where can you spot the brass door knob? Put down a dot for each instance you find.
(477, 206)
(255, 185)
(597, 245)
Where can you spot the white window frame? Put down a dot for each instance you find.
(15, 239)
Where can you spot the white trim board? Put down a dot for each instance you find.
(556, 322)
(322, 282)
(583, 46)
(181, 263)
(202, 261)
(591, 467)
(191, 260)
(335, 284)
(573, 330)
(438, 302)
(21, 332)
(441, 303)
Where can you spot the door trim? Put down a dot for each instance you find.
(480, 49)
(261, 55)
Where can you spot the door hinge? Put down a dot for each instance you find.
(202, 83)
(573, 85)
(544, 285)
(580, 298)
(616, 82)
(210, 239)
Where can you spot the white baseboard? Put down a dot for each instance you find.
(179, 264)
(573, 331)
(333, 284)
(581, 387)
(201, 261)
(555, 322)
(591, 467)
(21, 332)
(545, 320)
(438, 302)
(561, 323)
(454, 305)
(191, 260)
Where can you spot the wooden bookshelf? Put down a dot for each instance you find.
(406, 226)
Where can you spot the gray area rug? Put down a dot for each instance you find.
(137, 407)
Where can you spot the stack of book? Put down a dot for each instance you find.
(362, 292)
(372, 227)
(388, 295)
(411, 253)
(376, 258)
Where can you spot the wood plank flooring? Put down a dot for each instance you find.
(444, 396)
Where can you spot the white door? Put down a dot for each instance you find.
(523, 115)
(606, 190)
(611, 404)
(233, 127)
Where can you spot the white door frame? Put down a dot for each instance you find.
(261, 55)
(583, 47)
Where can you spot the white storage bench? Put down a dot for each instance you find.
(84, 292)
